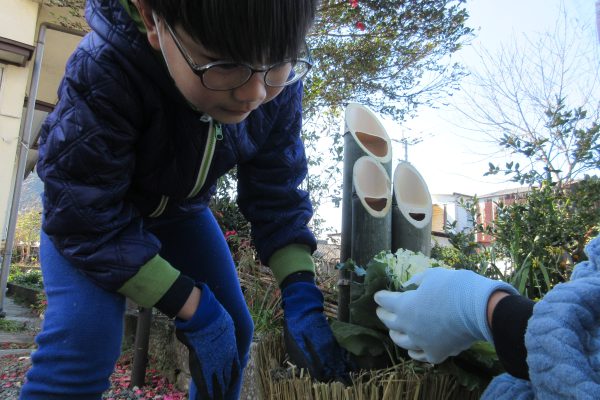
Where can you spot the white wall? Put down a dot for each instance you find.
(454, 212)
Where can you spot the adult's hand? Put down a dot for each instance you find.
(443, 316)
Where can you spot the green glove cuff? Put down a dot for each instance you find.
(151, 282)
(289, 259)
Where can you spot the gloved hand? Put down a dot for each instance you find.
(210, 338)
(308, 338)
(443, 316)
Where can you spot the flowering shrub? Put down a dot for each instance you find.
(39, 307)
(359, 24)
(30, 277)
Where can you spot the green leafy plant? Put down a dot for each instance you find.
(543, 236)
(39, 307)
(265, 308)
(7, 325)
(30, 277)
(365, 336)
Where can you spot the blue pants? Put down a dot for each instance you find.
(82, 332)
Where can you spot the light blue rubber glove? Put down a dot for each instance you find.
(443, 316)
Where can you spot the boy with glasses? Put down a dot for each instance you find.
(161, 99)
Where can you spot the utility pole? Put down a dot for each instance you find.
(407, 141)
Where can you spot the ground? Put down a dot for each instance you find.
(14, 367)
(16, 342)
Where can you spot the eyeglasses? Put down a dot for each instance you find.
(227, 75)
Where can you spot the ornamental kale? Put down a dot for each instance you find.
(367, 339)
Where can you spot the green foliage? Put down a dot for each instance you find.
(480, 357)
(41, 302)
(264, 304)
(27, 236)
(544, 235)
(28, 227)
(465, 252)
(30, 277)
(393, 65)
(366, 336)
(360, 340)
(565, 141)
(7, 325)
(224, 207)
(390, 55)
(385, 54)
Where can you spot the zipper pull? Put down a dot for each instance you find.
(218, 131)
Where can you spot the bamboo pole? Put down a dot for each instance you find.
(364, 134)
(371, 205)
(140, 356)
(411, 210)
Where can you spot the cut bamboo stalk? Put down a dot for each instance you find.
(411, 210)
(364, 134)
(371, 205)
(371, 225)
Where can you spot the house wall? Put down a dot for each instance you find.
(488, 206)
(58, 48)
(17, 22)
(446, 209)
(438, 218)
(487, 210)
(20, 20)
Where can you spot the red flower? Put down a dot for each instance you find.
(360, 26)
(228, 234)
(353, 3)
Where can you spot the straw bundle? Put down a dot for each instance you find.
(279, 380)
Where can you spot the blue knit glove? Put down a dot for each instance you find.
(308, 338)
(443, 316)
(213, 355)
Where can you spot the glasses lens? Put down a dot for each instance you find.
(226, 76)
(283, 74)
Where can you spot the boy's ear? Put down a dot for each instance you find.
(151, 28)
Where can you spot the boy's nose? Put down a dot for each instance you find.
(253, 91)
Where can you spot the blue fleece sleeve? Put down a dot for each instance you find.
(562, 340)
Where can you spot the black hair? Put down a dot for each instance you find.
(253, 31)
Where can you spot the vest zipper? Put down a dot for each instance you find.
(161, 207)
(215, 133)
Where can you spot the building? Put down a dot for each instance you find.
(488, 204)
(34, 48)
(447, 209)
(36, 39)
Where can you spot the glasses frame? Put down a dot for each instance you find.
(200, 70)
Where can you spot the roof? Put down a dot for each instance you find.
(504, 192)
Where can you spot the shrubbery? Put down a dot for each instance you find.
(537, 241)
(28, 277)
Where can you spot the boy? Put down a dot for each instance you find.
(158, 101)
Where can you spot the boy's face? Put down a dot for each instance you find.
(230, 106)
